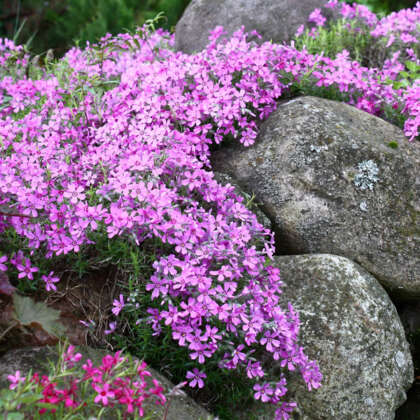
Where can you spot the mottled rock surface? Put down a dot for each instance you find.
(351, 327)
(275, 20)
(327, 177)
(24, 359)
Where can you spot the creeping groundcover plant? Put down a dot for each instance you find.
(113, 141)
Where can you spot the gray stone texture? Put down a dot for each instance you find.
(275, 20)
(351, 327)
(330, 182)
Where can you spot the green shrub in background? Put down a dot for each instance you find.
(385, 7)
(58, 24)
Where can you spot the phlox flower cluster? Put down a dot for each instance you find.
(134, 163)
(12, 58)
(115, 383)
(370, 89)
(402, 26)
(116, 141)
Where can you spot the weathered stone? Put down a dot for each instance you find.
(351, 327)
(275, 20)
(330, 182)
(181, 407)
(225, 179)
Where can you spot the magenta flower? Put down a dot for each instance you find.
(196, 378)
(3, 259)
(141, 370)
(300, 31)
(70, 358)
(26, 270)
(15, 379)
(283, 412)
(104, 394)
(49, 281)
(118, 305)
(112, 327)
(317, 17)
(74, 193)
(263, 392)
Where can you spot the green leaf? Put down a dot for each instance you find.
(412, 66)
(15, 416)
(29, 312)
(30, 398)
(45, 405)
(136, 41)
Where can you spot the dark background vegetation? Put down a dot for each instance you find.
(59, 24)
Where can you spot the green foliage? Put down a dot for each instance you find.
(27, 312)
(59, 24)
(385, 7)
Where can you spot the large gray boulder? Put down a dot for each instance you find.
(351, 327)
(330, 178)
(275, 20)
(181, 407)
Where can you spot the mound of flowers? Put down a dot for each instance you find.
(114, 140)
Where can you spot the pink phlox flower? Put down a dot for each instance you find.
(196, 378)
(158, 286)
(311, 374)
(15, 379)
(283, 412)
(331, 4)
(254, 370)
(17, 259)
(182, 333)
(104, 394)
(70, 358)
(49, 281)
(317, 18)
(171, 316)
(3, 259)
(92, 372)
(390, 41)
(118, 305)
(158, 390)
(299, 31)
(238, 355)
(263, 392)
(74, 193)
(112, 327)
(26, 270)
(141, 370)
(270, 340)
(216, 33)
(201, 353)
